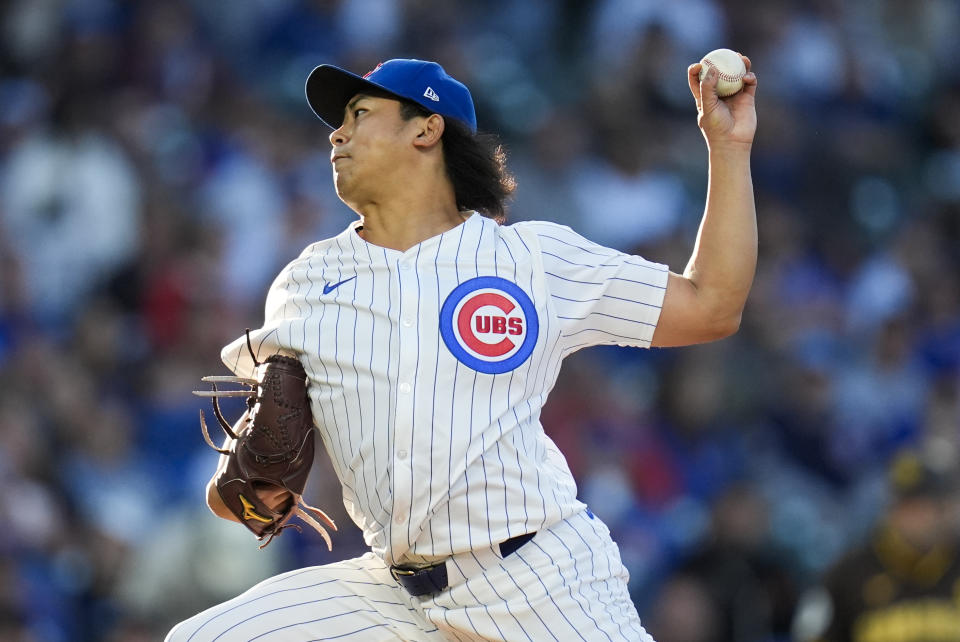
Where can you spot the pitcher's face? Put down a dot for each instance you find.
(368, 148)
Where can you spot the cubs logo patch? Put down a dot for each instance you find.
(489, 324)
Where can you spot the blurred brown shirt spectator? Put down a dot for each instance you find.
(903, 584)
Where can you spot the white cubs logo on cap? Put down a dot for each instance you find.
(489, 324)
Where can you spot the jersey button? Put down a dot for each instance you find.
(400, 518)
(401, 454)
(405, 388)
(404, 266)
(407, 322)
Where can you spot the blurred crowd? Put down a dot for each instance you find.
(159, 165)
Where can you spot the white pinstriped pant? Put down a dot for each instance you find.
(567, 583)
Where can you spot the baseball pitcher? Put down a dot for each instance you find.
(420, 344)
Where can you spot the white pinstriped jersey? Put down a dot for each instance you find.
(428, 370)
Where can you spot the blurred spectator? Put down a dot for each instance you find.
(684, 612)
(900, 584)
(71, 202)
(738, 584)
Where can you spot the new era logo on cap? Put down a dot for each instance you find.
(330, 88)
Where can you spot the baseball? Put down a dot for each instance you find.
(730, 66)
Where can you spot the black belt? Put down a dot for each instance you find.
(433, 579)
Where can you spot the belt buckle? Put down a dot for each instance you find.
(421, 581)
(398, 572)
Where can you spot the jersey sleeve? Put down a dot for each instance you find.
(265, 341)
(601, 296)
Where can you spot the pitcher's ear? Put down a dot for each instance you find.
(430, 131)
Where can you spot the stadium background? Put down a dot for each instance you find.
(158, 165)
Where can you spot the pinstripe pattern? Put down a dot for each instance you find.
(392, 400)
(567, 583)
(354, 600)
(436, 457)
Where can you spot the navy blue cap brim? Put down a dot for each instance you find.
(330, 88)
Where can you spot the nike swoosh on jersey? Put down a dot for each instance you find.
(330, 287)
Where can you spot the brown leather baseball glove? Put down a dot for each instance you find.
(270, 448)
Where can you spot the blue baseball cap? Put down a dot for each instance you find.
(330, 88)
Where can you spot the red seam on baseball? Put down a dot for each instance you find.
(722, 75)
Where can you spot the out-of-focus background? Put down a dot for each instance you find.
(158, 166)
